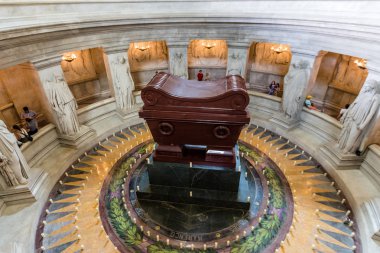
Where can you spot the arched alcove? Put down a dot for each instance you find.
(145, 59)
(337, 80)
(86, 75)
(20, 87)
(268, 62)
(210, 56)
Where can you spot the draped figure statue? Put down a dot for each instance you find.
(359, 117)
(64, 105)
(13, 166)
(123, 83)
(236, 62)
(295, 83)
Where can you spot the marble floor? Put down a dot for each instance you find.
(71, 220)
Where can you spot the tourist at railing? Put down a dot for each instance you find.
(310, 104)
(272, 88)
(200, 75)
(30, 119)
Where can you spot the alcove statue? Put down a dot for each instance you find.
(295, 83)
(358, 121)
(64, 105)
(13, 166)
(123, 81)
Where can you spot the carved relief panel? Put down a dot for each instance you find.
(86, 75)
(148, 55)
(19, 87)
(348, 76)
(268, 62)
(338, 81)
(81, 69)
(207, 53)
(270, 58)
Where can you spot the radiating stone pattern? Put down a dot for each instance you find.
(72, 224)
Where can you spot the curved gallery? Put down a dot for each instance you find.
(28, 59)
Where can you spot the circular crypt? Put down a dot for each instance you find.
(103, 200)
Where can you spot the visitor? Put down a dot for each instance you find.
(310, 104)
(342, 111)
(21, 134)
(272, 88)
(31, 121)
(200, 75)
(277, 88)
(207, 77)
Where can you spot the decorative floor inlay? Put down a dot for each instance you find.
(295, 205)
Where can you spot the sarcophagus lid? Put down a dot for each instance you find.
(168, 92)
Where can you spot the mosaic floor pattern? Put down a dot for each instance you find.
(295, 205)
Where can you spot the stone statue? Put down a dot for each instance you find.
(359, 117)
(295, 83)
(64, 105)
(123, 83)
(177, 64)
(13, 166)
(236, 63)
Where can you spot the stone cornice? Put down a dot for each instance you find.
(114, 49)
(47, 62)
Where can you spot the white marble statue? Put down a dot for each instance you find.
(123, 83)
(359, 117)
(13, 166)
(178, 63)
(295, 83)
(236, 62)
(64, 105)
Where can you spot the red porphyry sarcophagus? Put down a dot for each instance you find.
(194, 121)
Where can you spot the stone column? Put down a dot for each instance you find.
(62, 102)
(178, 59)
(120, 78)
(237, 59)
(296, 82)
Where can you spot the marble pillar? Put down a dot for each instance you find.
(178, 59)
(296, 82)
(119, 75)
(62, 102)
(237, 59)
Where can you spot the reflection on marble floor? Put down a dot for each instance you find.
(187, 218)
(71, 221)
